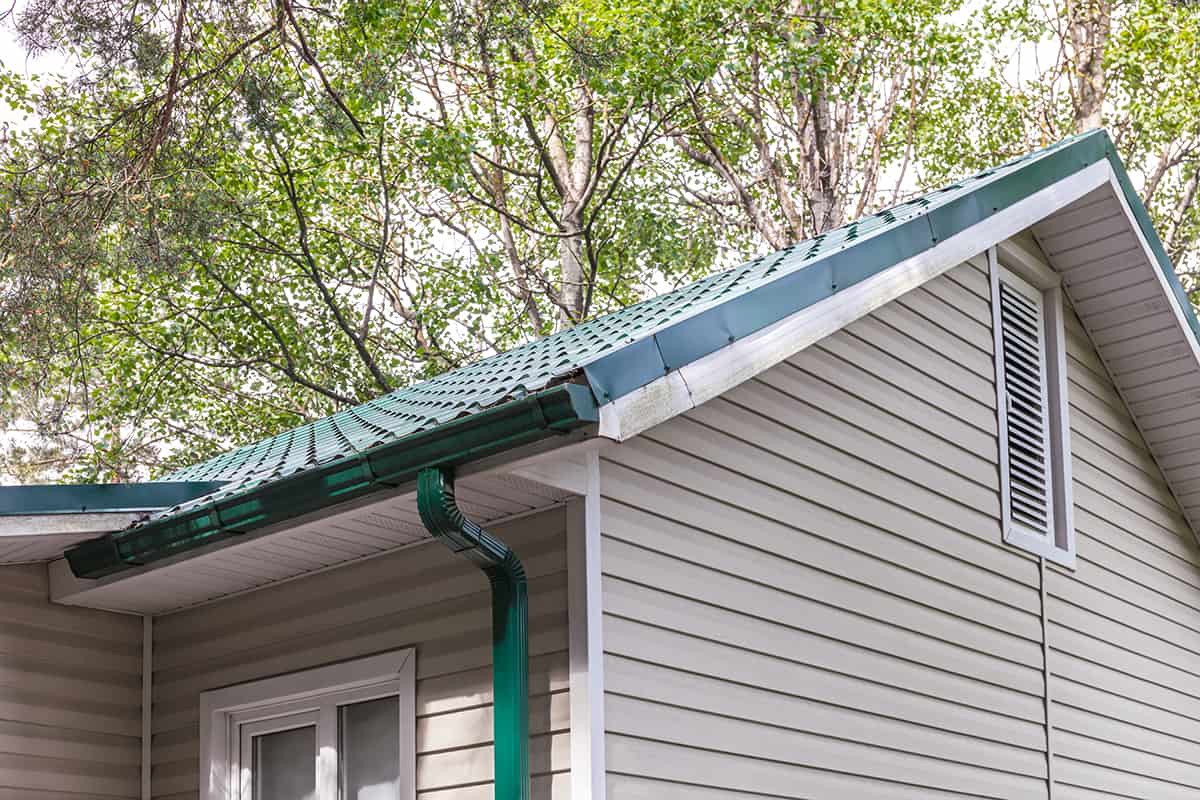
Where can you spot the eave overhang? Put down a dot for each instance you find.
(268, 501)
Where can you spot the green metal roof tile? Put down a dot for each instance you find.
(626, 349)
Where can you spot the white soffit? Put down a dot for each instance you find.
(1140, 332)
(369, 529)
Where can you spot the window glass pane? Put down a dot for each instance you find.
(369, 749)
(285, 765)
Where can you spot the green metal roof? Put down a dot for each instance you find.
(626, 349)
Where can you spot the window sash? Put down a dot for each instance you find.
(230, 715)
(248, 731)
(321, 712)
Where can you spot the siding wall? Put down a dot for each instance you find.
(806, 595)
(424, 597)
(70, 696)
(1125, 627)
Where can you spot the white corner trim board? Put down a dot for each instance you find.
(147, 705)
(720, 371)
(586, 639)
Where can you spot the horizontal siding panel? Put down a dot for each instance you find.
(1140, 475)
(722, 735)
(633, 684)
(839, 481)
(822, 431)
(68, 775)
(837, 672)
(831, 408)
(788, 593)
(1111, 594)
(1088, 724)
(888, 562)
(1146, 667)
(867, 649)
(458, 623)
(963, 298)
(906, 320)
(352, 606)
(556, 784)
(875, 393)
(473, 765)
(972, 275)
(732, 775)
(877, 360)
(963, 322)
(1102, 777)
(921, 355)
(70, 696)
(804, 498)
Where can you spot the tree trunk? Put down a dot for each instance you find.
(1090, 22)
(573, 293)
(824, 200)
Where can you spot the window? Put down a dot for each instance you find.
(341, 732)
(1034, 432)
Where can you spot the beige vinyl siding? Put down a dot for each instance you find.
(805, 592)
(70, 696)
(423, 597)
(1125, 627)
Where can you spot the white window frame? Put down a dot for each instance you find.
(1013, 258)
(301, 698)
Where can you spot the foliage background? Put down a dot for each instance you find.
(219, 220)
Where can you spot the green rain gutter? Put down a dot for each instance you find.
(241, 508)
(510, 625)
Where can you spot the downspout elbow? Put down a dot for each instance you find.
(510, 624)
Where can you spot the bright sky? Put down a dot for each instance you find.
(14, 57)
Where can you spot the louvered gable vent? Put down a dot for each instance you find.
(1026, 402)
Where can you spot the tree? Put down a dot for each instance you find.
(1051, 70)
(236, 217)
(795, 130)
(247, 216)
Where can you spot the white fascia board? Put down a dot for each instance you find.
(718, 372)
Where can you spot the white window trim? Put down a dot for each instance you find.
(224, 711)
(1029, 268)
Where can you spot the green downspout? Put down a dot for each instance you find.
(510, 625)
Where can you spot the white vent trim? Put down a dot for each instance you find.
(1031, 398)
